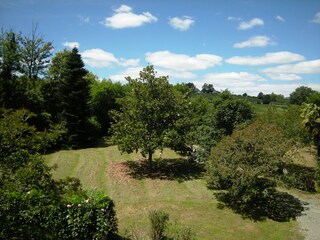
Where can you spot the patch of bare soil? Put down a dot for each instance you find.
(119, 171)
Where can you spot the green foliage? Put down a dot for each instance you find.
(75, 94)
(311, 122)
(289, 120)
(152, 116)
(35, 53)
(208, 88)
(245, 163)
(58, 67)
(300, 95)
(104, 97)
(231, 113)
(32, 204)
(158, 222)
(9, 64)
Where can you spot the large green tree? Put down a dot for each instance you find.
(232, 112)
(75, 94)
(245, 164)
(9, 66)
(152, 115)
(300, 95)
(35, 54)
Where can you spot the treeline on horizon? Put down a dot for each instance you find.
(58, 88)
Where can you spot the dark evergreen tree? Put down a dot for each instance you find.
(74, 94)
(9, 65)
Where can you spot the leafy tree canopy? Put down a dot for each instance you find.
(300, 95)
(152, 116)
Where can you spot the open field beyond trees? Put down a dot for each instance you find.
(175, 186)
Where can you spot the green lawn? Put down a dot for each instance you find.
(175, 188)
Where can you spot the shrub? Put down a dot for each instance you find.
(158, 220)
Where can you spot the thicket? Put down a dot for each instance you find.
(32, 204)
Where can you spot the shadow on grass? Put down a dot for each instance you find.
(298, 176)
(177, 169)
(279, 206)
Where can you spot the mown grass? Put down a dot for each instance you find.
(186, 198)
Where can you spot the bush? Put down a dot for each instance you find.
(158, 220)
(35, 206)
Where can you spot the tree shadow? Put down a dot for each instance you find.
(278, 206)
(177, 169)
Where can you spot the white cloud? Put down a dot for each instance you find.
(234, 19)
(71, 44)
(99, 58)
(284, 76)
(256, 41)
(248, 25)
(123, 9)
(125, 18)
(134, 73)
(316, 18)
(128, 62)
(176, 74)
(306, 67)
(252, 84)
(181, 24)
(281, 19)
(129, 72)
(234, 81)
(268, 58)
(84, 19)
(181, 62)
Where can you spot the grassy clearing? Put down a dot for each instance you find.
(183, 195)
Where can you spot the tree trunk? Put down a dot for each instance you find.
(150, 158)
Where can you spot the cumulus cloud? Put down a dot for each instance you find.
(281, 19)
(125, 18)
(237, 82)
(306, 67)
(284, 76)
(256, 41)
(244, 82)
(71, 44)
(252, 23)
(181, 24)
(316, 18)
(181, 62)
(99, 58)
(268, 58)
(129, 72)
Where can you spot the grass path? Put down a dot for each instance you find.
(188, 201)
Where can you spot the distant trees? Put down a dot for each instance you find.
(152, 115)
(208, 88)
(300, 95)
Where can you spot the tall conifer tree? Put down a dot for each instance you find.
(75, 93)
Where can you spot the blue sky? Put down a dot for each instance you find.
(247, 46)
